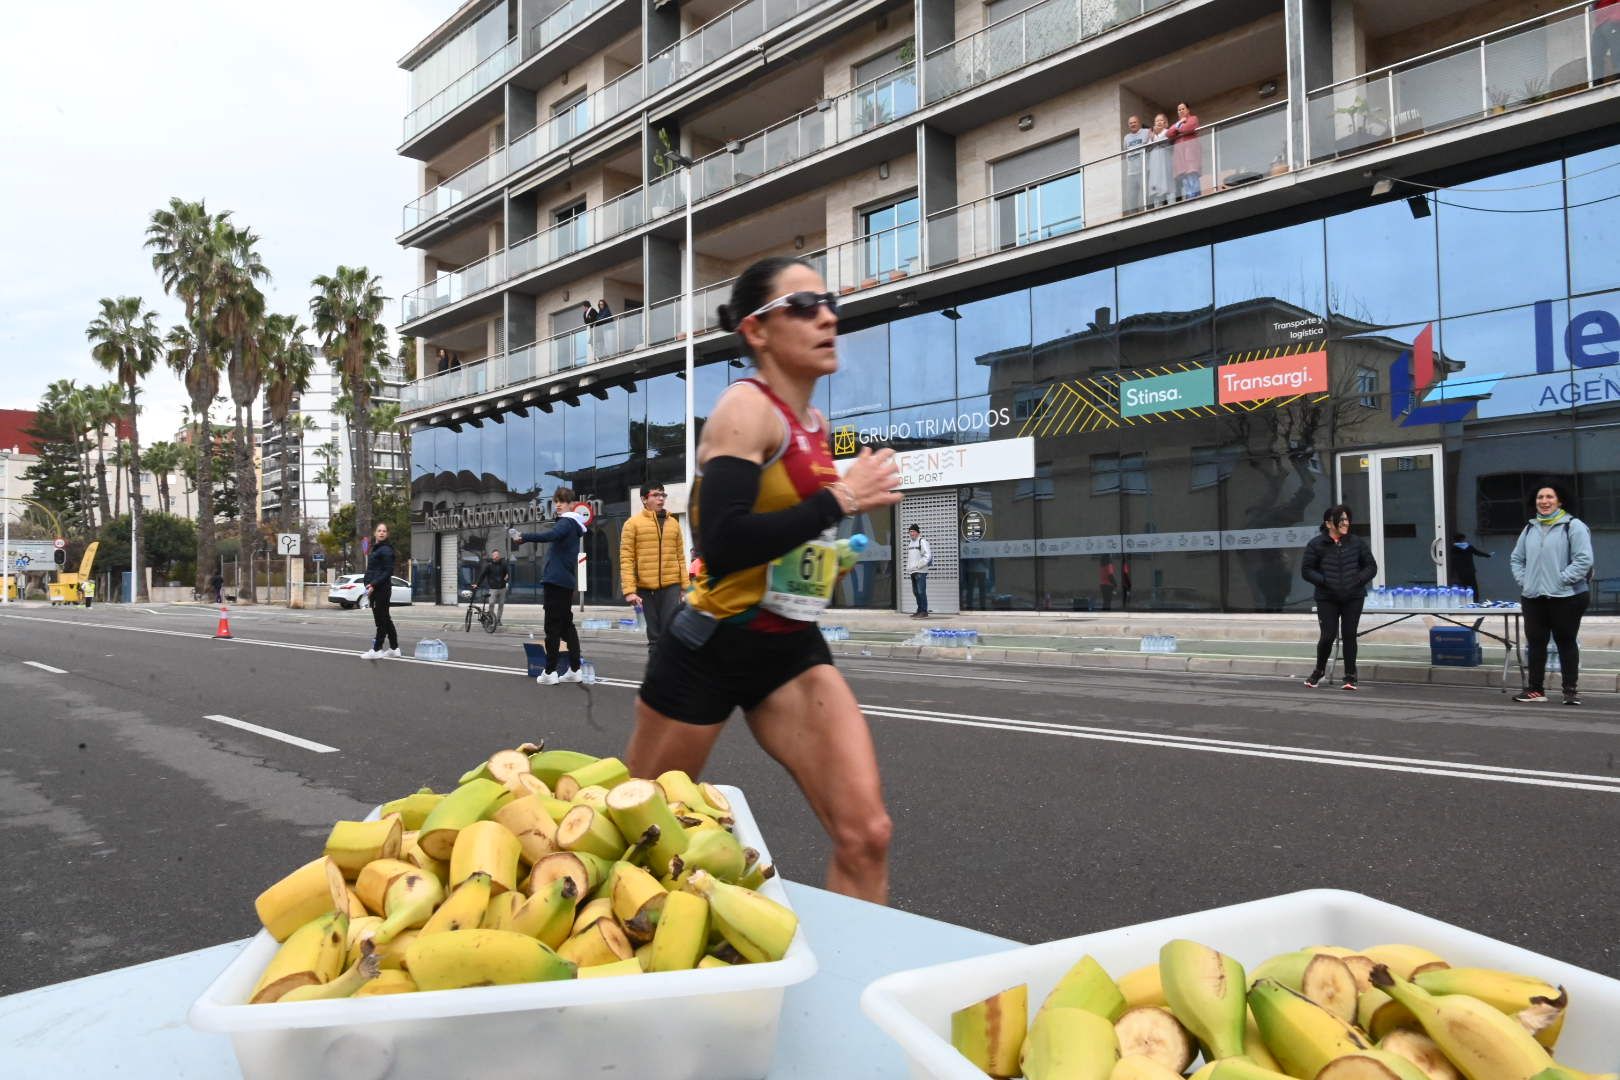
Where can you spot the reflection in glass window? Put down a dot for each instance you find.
(861, 382)
(469, 450)
(493, 455)
(1073, 323)
(1479, 225)
(1125, 474)
(1367, 387)
(1381, 267)
(1502, 342)
(1270, 289)
(1599, 499)
(520, 479)
(579, 436)
(1212, 465)
(1593, 187)
(992, 344)
(666, 415)
(922, 359)
(710, 383)
(613, 423)
(1164, 308)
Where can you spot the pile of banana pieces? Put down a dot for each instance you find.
(540, 865)
(1390, 1012)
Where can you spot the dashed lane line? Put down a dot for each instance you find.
(45, 667)
(272, 733)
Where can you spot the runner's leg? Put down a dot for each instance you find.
(659, 744)
(814, 727)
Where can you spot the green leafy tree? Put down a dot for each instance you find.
(125, 341)
(391, 509)
(169, 546)
(162, 460)
(59, 476)
(183, 255)
(346, 313)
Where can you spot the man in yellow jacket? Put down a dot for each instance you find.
(652, 566)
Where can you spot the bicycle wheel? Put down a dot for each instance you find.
(488, 619)
(466, 626)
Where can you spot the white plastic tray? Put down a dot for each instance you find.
(719, 1023)
(914, 1007)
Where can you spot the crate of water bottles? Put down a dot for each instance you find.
(1420, 598)
(1158, 643)
(957, 639)
(835, 633)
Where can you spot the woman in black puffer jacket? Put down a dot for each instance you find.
(1340, 565)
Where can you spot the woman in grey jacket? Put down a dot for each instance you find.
(1551, 562)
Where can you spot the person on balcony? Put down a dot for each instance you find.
(1136, 137)
(1189, 156)
(1158, 162)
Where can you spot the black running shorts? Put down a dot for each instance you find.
(735, 668)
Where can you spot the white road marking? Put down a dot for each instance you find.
(271, 733)
(1303, 754)
(45, 667)
(928, 674)
(1307, 755)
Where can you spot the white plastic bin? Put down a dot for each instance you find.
(914, 1007)
(715, 1024)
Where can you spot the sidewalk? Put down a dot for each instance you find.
(1247, 644)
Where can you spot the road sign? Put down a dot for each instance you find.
(20, 563)
(59, 543)
(319, 556)
(288, 543)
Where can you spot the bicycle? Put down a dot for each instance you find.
(479, 609)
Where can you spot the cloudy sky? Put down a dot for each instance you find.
(287, 114)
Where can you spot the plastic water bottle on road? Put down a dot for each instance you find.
(587, 673)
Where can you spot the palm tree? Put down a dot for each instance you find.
(120, 469)
(238, 322)
(328, 478)
(183, 259)
(346, 314)
(162, 459)
(103, 405)
(126, 343)
(288, 363)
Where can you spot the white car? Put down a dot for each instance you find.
(348, 592)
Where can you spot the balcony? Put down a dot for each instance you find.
(543, 33)
(1533, 61)
(720, 36)
(596, 226)
(485, 74)
(855, 112)
(1234, 152)
(607, 103)
(1022, 39)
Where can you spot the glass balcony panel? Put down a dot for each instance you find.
(1536, 63)
(1051, 27)
(663, 319)
(749, 162)
(747, 22)
(458, 93)
(1432, 96)
(1248, 148)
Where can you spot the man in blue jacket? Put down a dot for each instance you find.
(560, 580)
(379, 583)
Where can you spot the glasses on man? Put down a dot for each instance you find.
(801, 305)
(655, 494)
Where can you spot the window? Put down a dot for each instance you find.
(1599, 499)
(1212, 465)
(571, 232)
(1038, 194)
(1120, 473)
(573, 115)
(890, 234)
(883, 92)
(1367, 387)
(1503, 500)
(996, 10)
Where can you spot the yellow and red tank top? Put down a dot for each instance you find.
(767, 597)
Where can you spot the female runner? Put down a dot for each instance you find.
(767, 505)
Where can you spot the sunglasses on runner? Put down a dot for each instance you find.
(801, 305)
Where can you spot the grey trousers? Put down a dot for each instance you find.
(659, 606)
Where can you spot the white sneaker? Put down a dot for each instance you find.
(548, 679)
(393, 654)
(371, 654)
(572, 676)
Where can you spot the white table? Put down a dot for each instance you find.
(132, 1022)
(1510, 638)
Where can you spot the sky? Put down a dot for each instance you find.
(287, 114)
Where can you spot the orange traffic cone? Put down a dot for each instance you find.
(224, 630)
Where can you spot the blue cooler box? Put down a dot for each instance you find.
(1454, 646)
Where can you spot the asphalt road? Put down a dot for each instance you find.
(1029, 802)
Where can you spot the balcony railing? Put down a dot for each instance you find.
(719, 36)
(854, 112)
(610, 101)
(1519, 65)
(1018, 40)
(484, 74)
(564, 19)
(595, 226)
(1227, 155)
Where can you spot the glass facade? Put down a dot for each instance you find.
(1484, 337)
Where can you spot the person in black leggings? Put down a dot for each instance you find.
(1341, 566)
(560, 579)
(379, 583)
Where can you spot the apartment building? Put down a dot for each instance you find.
(295, 453)
(1377, 263)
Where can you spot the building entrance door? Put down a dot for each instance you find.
(1396, 500)
(449, 567)
(934, 512)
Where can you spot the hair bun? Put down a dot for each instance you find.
(728, 321)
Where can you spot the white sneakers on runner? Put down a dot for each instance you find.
(572, 676)
(393, 654)
(548, 679)
(372, 654)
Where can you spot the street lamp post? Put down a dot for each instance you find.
(6, 457)
(688, 286)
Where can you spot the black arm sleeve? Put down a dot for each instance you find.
(732, 537)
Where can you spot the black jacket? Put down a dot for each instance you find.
(494, 575)
(1340, 570)
(380, 566)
